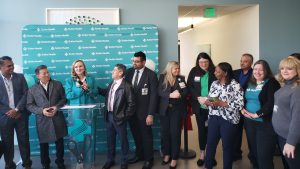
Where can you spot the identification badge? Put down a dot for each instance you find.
(182, 85)
(259, 87)
(144, 91)
(197, 79)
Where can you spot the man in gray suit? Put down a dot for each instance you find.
(45, 99)
(13, 113)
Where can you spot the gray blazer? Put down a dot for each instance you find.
(49, 128)
(20, 93)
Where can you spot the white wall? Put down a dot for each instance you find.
(230, 36)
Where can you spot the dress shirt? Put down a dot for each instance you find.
(112, 97)
(10, 90)
(140, 75)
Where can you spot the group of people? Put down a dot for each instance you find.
(224, 102)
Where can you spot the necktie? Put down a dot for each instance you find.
(135, 83)
(110, 107)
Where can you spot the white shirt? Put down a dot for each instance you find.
(140, 75)
(112, 97)
(10, 90)
(45, 86)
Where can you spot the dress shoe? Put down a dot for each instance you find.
(61, 166)
(135, 159)
(200, 162)
(124, 166)
(46, 166)
(11, 166)
(148, 165)
(107, 165)
(166, 162)
(173, 167)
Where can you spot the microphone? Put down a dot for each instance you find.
(81, 83)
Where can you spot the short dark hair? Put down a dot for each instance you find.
(248, 55)
(226, 67)
(3, 58)
(140, 54)
(122, 68)
(296, 55)
(37, 69)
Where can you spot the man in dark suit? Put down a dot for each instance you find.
(13, 113)
(145, 83)
(242, 76)
(44, 99)
(120, 103)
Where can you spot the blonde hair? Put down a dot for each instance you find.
(169, 78)
(74, 75)
(289, 62)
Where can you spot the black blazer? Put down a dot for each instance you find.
(266, 99)
(124, 102)
(20, 88)
(195, 86)
(164, 94)
(145, 104)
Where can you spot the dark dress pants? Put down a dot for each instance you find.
(143, 138)
(7, 135)
(171, 132)
(220, 128)
(201, 118)
(112, 130)
(262, 142)
(44, 148)
(292, 163)
(237, 152)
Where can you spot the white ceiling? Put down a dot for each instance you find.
(188, 15)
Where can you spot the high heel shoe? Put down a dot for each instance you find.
(165, 162)
(173, 167)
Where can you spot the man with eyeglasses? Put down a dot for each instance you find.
(144, 82)
(13, 113)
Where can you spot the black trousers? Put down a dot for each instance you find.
(201, 118)
(262, 142)
(44, 150)
(293, 163)
(7, 135)
(171, 132)
(143, 138)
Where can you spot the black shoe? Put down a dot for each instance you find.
(200, 162)
(124, 166)
(135, 159)
(61, 166)
(46, 166)
(166, 162)
(107, 165)
(174, 167)
(148, 165)
(11, 166)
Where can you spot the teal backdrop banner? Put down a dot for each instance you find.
(100, 47)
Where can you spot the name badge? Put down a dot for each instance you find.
(182, 85)
(259, 87)
(144, 91)
(197, 79)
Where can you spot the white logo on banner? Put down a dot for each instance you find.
(31, 36)
(86, 35)
(138, 34)
(112, 34)
(73, 29)
(86, 47)
(60, 48)
(100, 53)
(149, 40)
(74, 54)
(100, 41)
(126, 52)
(113, 59)
(46, 54)
(58, 61)
(138, 46)
(59, 35)
(46, 42)
(126, 40)
(113, 47)
(73, 41)
(100, 29)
